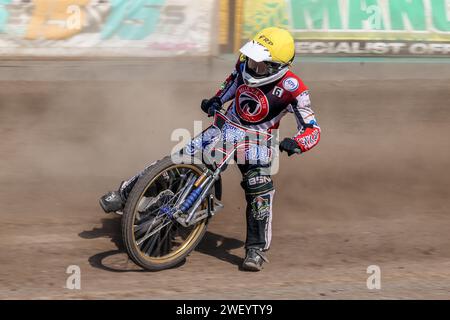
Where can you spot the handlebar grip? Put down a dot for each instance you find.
(220, 110)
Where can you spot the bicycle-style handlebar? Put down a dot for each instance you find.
(222, 111)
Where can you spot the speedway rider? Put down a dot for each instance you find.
(263, 89)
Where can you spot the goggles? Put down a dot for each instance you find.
(263, 68)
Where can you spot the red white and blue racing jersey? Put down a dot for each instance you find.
(262, 107)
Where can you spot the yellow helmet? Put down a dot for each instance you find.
(273, 46)
(279, 42)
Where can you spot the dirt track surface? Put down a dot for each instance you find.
(376, 191)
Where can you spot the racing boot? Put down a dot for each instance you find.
(254, 259)
(112, 202)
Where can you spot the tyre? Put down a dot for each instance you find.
(152, 239)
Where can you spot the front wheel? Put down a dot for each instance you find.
(152, 239)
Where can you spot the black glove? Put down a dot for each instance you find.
(210, 106)
(290, 146)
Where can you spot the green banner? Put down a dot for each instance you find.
(359, 27)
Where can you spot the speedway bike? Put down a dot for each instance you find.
(168, 209)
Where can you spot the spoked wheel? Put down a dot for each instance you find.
(153, 239)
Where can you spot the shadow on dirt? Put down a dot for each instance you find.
(110, 229)
(117, 260)
(219, 247)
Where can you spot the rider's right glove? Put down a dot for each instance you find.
(290, 146)
(210, 106)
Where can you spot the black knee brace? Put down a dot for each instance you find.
(255, 183)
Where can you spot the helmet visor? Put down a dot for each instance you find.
(263, 68)
(258, 68)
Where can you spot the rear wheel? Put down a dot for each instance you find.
(153, 239)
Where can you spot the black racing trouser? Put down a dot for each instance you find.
(259, 191)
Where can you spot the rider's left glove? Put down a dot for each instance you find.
(210, 106)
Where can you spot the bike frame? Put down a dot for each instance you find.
(218, 145)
